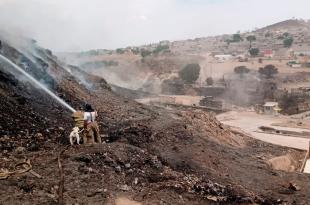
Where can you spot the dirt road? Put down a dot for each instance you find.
(250, 122)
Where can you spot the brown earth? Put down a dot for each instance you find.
(153, 155)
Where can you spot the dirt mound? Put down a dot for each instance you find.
(285, 163)
(206, 125)
(125, 201)
(154, 155)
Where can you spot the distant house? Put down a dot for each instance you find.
(301, 50)
(222, 58)
(268, 53)
(271, 108)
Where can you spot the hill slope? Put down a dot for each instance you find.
(147, 67)
(154, 156)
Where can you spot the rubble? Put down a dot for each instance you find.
(20, 150)
(124, 187)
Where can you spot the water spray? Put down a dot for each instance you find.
(36, 82)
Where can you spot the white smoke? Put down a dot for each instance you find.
(72, 25)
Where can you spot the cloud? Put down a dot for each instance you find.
(72, 25)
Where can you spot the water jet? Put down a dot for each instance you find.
(37, 83)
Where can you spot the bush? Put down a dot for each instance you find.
(209, 81)
(254, 51)
(190, 73)
(251, 38)
(237, 37)
(241, 70)
(268, 71)
(145, 53)
(120, 51)
(288, 42)
(160, 48)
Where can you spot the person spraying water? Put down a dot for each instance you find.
(37, 83)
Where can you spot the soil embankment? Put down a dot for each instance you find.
(154, 155)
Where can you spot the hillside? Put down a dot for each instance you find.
(287, 24)
(152, 155)
(150, 65)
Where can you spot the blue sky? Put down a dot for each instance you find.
(73, 25)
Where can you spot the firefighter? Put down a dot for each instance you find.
(78, 118)
(91, 129)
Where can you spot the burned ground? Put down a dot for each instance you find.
(154, 156)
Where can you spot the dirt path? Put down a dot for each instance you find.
(125, 201)
(250, 122)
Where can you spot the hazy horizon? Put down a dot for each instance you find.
(76, 25)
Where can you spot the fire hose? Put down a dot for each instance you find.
(26, 167)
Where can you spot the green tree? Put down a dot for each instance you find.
(120, 51)
(288, 42)
(190, 73)
(241, 70)
(145, 53)
(209, 81)
(251, 38)
(237, 37)
(254, 51)
(268, 71)
(160, 48)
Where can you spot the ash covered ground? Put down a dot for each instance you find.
(154, 155)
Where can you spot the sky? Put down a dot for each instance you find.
(75, 25)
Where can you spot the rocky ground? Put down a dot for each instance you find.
(152, 155)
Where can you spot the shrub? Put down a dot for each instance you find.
(237, 37)
(160, 48)
(209, 81)
(251, 38)
(241, 70)
(190, 73)
(268, 71)
(145, 53)
(120, 51)
(254, 51)
(288, 42)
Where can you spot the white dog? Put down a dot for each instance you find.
(74, 135)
